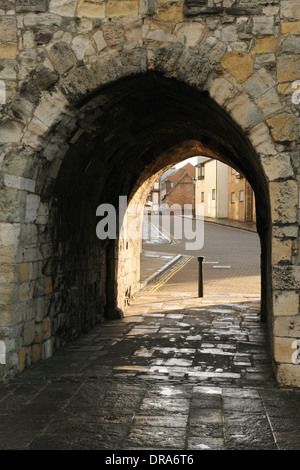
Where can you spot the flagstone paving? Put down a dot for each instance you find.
(176, 373)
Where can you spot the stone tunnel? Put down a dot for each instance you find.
(98, 97)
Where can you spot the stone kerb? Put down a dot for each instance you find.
(247, 65)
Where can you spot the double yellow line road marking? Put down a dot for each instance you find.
(168, 276)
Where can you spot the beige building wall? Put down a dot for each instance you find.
(222, 190)
(241, 199)
(212, 188)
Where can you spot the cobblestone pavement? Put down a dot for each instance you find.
(176, 373)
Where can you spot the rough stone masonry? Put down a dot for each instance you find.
(100, 95)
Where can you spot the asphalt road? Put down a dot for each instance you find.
(232, 257)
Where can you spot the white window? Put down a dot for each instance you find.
(241, 196)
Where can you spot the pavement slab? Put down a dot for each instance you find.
(193, 378)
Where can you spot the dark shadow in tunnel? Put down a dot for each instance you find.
(129, 131)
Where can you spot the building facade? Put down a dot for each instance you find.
(211, 188)
(241, 199)
(179, 191)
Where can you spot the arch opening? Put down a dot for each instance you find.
(126, 135)
(191, 214)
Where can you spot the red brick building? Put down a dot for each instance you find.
(179, 190)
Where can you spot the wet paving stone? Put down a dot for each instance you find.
(206, 443)
(155, 438)
(206, 430)
(195, 378)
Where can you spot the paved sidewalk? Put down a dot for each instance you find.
(176, 373)
(248, 226)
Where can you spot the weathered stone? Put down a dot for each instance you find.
(7, 274)
(291, 44)
(99, 40)
(22, 358)
(11, 131)
(283, 349)
(217, 53)
(259, 83)
(62, 57)
(261, 138)
(221, 90)
(48, 286)
(284, 201)
(133, 60)
(28, 333)
(282, 251)
(244, 112)
(122, 8)
(290, 27)
(37, 6)
(91, 8)
(230, 33)
(239, 65)
(7, 294)
(63, 7)
(8, 29)
(32, 205)
(113, 32)
(267, 60)
(288, 68)
(47, 349)
(36, 352)
(8, 69)
(269, 103)
(19, 182)
(290, 9)
(195, 68)
(45, 78)
(9, 234)
(285, 89)
(266, 44)
(288, 374)
(24, 272)
(82, 46)
(42, 20)
(286, 303)
(283, 127)
(288, 326)
(25, 294)
(8, 50)
(165, 59)
(263, 25)
(160, 35)
(192, 32)
(286, 231)
(277, 167)
(21, 164)
(170, 11)
(47, 328)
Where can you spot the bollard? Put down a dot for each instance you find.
(200, 285)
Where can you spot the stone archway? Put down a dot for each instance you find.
(53, 183)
